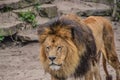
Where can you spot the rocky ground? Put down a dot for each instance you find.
(21, 61)
(11, 23)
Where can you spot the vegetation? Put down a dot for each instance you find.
(116, 8)
(28, 17)
(118, 13)
(37, 6)
(1, 38)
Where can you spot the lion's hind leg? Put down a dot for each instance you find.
(108, 76)
(109, 46)
(93, 73)
(114, 62)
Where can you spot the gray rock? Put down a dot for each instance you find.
(9, 28)
(6, 5)
(9, 24)
(82, 8)
(47, 10)
(103, 12)
(28, 35)
(47, 1)
(27, 9)
(31, 8)
(41, 20)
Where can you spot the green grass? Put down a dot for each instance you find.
(28, 17)
(1, 38)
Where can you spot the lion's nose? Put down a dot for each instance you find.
(52, 58)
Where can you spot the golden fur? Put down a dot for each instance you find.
(104, 38)
(76, 45)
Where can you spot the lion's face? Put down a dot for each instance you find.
(55, 51)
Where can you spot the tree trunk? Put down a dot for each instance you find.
(114, 9)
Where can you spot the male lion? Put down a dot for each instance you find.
(71, 47)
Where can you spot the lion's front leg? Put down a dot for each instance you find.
(89, 76)
(94, 72)
(53, 78)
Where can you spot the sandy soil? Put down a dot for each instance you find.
(22, 63)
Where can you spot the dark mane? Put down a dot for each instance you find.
(80, 34)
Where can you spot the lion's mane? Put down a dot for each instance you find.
(81, 51)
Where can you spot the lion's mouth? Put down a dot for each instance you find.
(54, 66)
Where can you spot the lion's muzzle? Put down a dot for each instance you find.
(52, 58)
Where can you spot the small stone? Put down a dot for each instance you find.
(47, 10)
(2, 46)
(27, 35)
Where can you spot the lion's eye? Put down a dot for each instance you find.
(47, 48)
(59, 48)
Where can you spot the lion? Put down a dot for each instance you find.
(71, 47)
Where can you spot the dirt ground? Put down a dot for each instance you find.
(22, 63)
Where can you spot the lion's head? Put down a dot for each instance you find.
(58, 52)
(55, 51)
(63, 47)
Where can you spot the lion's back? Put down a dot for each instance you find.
(99, 25)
